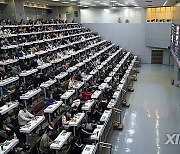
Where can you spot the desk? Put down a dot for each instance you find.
(97, 132)
(27, 73)
(8, 107)
(27, 56)
(8, 47)
(51, 108)
(30, 94)
(111, 104)
(45, 65)
(72, 69)
(47, 84)
(106, 115)
(60, 140)
(67, 95)
(120, 86)
(41, 52)
(75, 121)
(31, 125)
(87, 78)
(102, 86)
(80, 64)
(96, 94)
(6, 82)
(111, 74)
(94, 71)
(61, 76)
(8, 146)
(88, 104)
(116, 94)
(58, 60)
(77, 86)
(108, 79)
(9, 61)
(89, 149)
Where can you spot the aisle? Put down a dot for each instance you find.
(154, 111)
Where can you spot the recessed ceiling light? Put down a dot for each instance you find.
(55, 0)
(65, 2)
(87, 3)
(85, 6)
(93, 5)
(73, 0)
(121, 4)
(113, 1)
(97, 1)
(47, 4)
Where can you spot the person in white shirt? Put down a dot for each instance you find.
(24, 116)
(40, 61)
(71, 82)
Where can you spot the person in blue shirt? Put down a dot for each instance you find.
(49, 100)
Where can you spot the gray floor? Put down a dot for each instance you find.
(154, 112)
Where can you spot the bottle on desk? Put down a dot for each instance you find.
(15, 137)
(2, 147)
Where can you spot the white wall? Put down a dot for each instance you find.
(129, 36)
(158, 35)
(134, 15)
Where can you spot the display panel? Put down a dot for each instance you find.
(175, 43)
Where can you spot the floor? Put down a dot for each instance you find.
(154, 112)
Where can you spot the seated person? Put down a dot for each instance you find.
(65, 119)
(13, 125)
(103, 105)
(86, 94)
(95, 113)
(3, 74)
(54, 130)
(49, 100)
(34, 63)
(26, 149)
(45, 142)
(76, 148)
(2, 102)
(74, 110)
(71, 82)
(16, 70)
(85, 135)
(24, 116)
(3, 133)
(90, 126)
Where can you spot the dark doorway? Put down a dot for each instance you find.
(157, 56)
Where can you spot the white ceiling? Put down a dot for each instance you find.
(109, 3)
